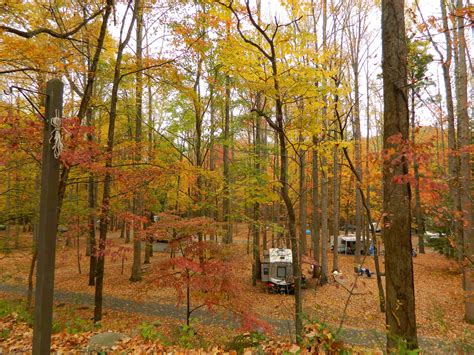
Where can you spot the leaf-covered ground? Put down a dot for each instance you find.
(439, 298)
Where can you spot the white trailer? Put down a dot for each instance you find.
(277, 270)
(346, 244)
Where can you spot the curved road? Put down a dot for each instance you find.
(361, 337)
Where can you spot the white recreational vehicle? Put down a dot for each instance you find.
(277, 270)
(346, 244)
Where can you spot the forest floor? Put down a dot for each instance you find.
(439, 298)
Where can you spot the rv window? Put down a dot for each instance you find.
(265, 271)
(281, 271)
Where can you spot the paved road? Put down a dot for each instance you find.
(362, 337)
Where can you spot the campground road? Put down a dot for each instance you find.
(360, 337)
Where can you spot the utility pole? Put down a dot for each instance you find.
(47, 224)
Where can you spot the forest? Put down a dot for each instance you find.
(236, 176)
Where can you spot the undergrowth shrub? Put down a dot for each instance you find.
(443, 246)
(79, 325)
(186, 336)
(246, 340)
(149, 332)
(8, 307)
(319, 338)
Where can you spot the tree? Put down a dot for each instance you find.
(418, 60)
(465, 177)
(400, 313)
(269, 53)
(356, 31)
(208, 282)
(137, 198)
(335, 204)
(105, 207)
(460, 175)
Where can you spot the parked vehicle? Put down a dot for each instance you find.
(277, 270)
(377, 227)
(432, 235)
(347, 244)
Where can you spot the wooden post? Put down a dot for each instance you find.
(47, 225)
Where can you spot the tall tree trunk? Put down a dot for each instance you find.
(92, 204)
(17, 204)
(324, 222)
(324, 178)
(400, 313)
(452, 144)
(138, 198)
(276, 234)
(226, 198)
(356, 31)
(256, 274)
(457, 84)
(302, 193)
(443, 166)
(464, 139)
(367, 148)
(357, 153)
(420, 224)
(291, 216)
(335, 204)
(198, 146)
(266, 208)
(315, 230)
(212, 152)
(280, 129)
(105, 208)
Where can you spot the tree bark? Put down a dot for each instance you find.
(367, 151)
(452, 143)
(465, 177)
(256, 275)
(357, 153)
(277, 204)
(420, 224)
(324, 178)
(315, 230)
(324, 222)
(302, 193)
(92, 204)
(335, 204)
(226, 162)
(105, 208)
(138, 198)
(400, 313)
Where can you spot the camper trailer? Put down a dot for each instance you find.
(346, 244)
(277, 270)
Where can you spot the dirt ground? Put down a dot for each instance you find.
(439, 297)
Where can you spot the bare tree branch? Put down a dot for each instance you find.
(52, 33)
